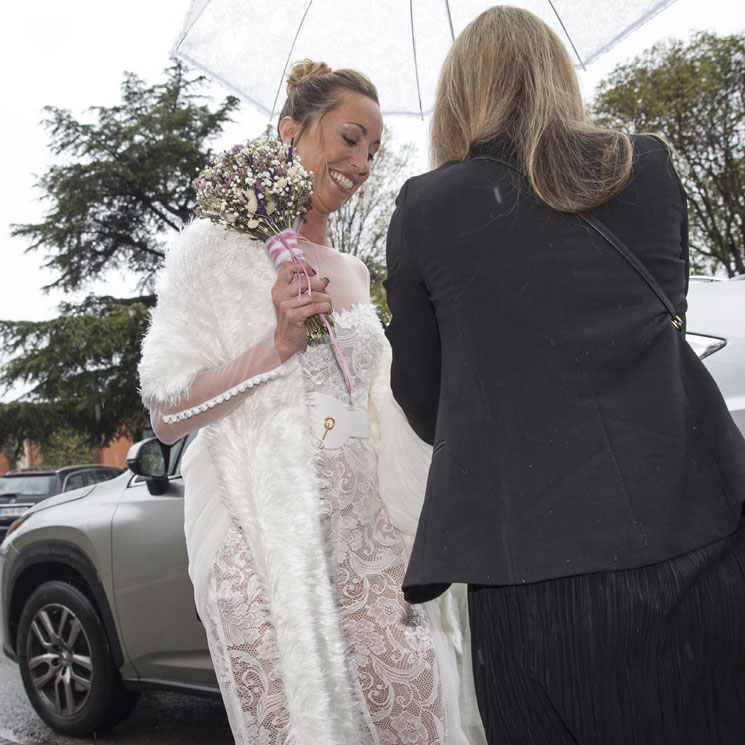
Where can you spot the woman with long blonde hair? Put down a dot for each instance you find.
(587, 480)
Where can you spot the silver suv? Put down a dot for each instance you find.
(21, 490)
(95, 598)
(715, 328)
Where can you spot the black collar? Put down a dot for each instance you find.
(501, 148)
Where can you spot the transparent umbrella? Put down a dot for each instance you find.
(248, 45)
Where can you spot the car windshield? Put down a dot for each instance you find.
(31, 486)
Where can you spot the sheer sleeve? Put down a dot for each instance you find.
(215, 393)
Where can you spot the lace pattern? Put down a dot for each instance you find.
(391, 660)
(243, 647)
(391, 656)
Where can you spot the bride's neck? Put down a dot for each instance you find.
(314, 227)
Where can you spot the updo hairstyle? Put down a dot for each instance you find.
(314, 89)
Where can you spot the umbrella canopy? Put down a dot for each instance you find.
(248, 45)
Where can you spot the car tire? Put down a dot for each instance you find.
(66, 664)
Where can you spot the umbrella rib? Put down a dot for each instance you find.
(660, 6)
(188, 25)
(566, 33)
(450, 19)
(193, 20)
(416, 65)
(289, 54)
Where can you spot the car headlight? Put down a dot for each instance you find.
(703, 346)
(14, 525)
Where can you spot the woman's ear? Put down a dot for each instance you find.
(287, 129)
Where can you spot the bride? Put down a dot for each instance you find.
(297, 548)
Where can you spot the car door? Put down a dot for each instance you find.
(160, 630)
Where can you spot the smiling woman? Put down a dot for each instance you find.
(296, 563)
(336, 129)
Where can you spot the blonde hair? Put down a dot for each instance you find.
(509, 76)
(314, 89)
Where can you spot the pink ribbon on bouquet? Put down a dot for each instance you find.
(283, 248)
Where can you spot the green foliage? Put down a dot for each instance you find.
(378, 273)
(10, 451)
(694, 94)
(361, 225)
(21, 422)
(130, 179)
(66, 447)
(124, 185)
(82, 369)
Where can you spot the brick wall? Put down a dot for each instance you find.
(112, 455)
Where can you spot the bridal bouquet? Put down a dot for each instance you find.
(261, 188)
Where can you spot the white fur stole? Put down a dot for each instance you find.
(214, 302)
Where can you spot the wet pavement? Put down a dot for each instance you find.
(158, 719)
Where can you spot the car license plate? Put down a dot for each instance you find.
(12, 511)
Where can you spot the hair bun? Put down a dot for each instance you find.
(303, 70)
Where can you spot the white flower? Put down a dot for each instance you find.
(409, 728)
(231, 191)
(385, 611)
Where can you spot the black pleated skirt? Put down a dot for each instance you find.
(647, 656)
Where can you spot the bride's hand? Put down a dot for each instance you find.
(290, 336)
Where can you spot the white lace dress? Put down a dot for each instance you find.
(391, 660)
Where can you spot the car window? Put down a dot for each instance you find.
(95, 476)
(177, 455)
(31, 486)
(74, 481)
(101, 474)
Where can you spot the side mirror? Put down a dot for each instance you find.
(149, 459)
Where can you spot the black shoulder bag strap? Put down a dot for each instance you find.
(616, 242)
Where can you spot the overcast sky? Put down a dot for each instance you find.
(72, 53)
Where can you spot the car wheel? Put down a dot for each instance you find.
(66, 664)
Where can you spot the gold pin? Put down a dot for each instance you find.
(328, 424)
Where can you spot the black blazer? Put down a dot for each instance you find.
(574, 429)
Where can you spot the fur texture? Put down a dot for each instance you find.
(214, 302)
